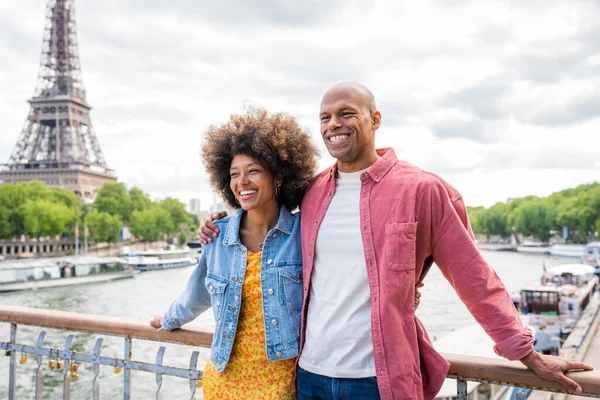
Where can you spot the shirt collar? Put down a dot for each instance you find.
(232, 231)
(376, 172)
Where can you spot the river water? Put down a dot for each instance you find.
(151, 293)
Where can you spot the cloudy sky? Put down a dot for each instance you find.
(500, 98)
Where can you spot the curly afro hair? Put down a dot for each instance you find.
(274, 140)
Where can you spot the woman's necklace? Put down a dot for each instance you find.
(260, 244)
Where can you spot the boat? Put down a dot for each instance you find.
(41, 273)
(567, 250)
(158, 259)
(591, 256)
(554, 306)
(531, 247)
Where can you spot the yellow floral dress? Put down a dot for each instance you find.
(249, 375)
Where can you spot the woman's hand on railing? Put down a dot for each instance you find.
(554, 368)
(156, 322)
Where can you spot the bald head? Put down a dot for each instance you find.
(349, 119)
(353, 89)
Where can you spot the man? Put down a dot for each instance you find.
(371, 228)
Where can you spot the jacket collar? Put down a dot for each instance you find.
(232, 230)
(376, 172)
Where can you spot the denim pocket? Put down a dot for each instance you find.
(291, 291)
(401, 246)
(216, 288)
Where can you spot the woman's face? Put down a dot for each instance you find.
(251, 183)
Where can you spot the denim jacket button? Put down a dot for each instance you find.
(278, 354)
(270, 291)
(274, 321)
(269, 261)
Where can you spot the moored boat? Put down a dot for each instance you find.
(157, 259)
(533, 248)
(591, 256)
(554, 306)
(567, 250)
(33, 274)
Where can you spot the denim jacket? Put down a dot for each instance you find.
(218, 278)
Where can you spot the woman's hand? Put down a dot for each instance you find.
(418, 295)
(156, 322)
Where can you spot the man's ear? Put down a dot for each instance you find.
(376, 119)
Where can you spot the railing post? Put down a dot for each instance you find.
(194, 366)
(67, 357)
(96, 369)
(38, 371)
(13, 367)
(127, 372)
(159, 380)
(461, 389)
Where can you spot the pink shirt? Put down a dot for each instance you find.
(409, 219)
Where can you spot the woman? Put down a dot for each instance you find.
(252, 274)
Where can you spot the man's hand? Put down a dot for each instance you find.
(208, 230)
(156, 322)
(554, 368)
(418, 295)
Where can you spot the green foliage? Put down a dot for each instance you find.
(576, 208)
(44, 218)
(151, 224)
(140, 201)
(176, 210)
(103, 227)
(33, 209)
(113, 198)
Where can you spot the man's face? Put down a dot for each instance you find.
(348, 125)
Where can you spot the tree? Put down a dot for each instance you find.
(534, 217)
(113, 198)
(12, 199)
(140, 201)
(177, 213)
(104, 228)
(44, 218)
(151, 224)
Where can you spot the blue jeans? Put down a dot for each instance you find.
(311, 386)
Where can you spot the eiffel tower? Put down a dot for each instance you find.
(57, 144)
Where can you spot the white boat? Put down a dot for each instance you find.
(554, 306)
(591, 255)
(157, 259)
(567, 250)
(530, 247)
(41, 273)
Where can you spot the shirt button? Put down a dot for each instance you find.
(376, 176)
(270, 291)
(269, 261)
(310, 255)
(274, 321)
(315, 224)
(278, 354)
(274, 235)
(328, 193)
(305, 289)
(211, 287)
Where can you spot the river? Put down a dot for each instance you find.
(151, 293)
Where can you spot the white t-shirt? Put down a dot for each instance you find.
(338, 327)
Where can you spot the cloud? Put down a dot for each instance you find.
(466, 88)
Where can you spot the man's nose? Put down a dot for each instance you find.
(334, 123)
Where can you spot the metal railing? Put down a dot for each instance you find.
(463, 368)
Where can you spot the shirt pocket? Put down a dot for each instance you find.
(216, 289)
(400, 245)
